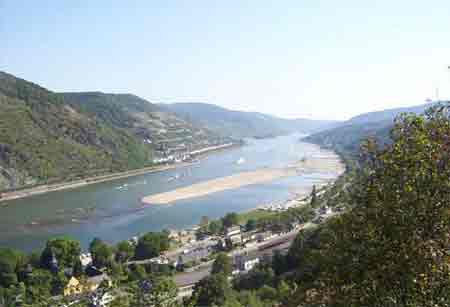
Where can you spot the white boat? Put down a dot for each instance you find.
(240, 161)
(174, 177)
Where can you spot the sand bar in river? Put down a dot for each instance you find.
(325, 163)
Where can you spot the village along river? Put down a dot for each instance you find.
(113, 210)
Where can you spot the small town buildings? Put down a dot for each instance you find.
(192, 256)
(86, 259)
(93, 283)
(264, 236)
(174, 235)
(134, 240)
(246, 262)
(160, 260)
(249, 236)
(101, 299)
(73, 287)
(235, 239)
(231, 231)
(233, 235)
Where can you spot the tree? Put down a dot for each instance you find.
(39, 285)
(255, 279)
(65, 250)
(78, 269)
(9, 262)
(212, 290)
(160, 292)
(391, 249)
(267, 293)
(284, 292)
(137, 272)
(124, 252)
(313, 197)
(222, 265)
(250, 299)
(59, 281)
(164, 293)
(230, 219)
(215, 227)
(151, 245)
(101, 253)
(251, 225)
(279, 262)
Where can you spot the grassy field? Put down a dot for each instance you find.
(255, 214)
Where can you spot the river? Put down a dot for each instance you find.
(113, 210)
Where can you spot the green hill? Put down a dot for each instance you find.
(244, 124)
(346, 138)
(43, 139)
(146, 121)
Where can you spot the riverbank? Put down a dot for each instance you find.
(326, 162)
(41, 189)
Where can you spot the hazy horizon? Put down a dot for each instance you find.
(308, 59)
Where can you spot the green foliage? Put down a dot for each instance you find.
(255, 214)
(267, 293)
(101, 253)
(137, 272)
(58, 282)
(160, 292)
(230, 219)
(124, 251)
(250, 299)
(78, 268)
(66, 252)
(151, 245)
(282, 222)
(251, 225)
(10, 260)
(314, 200)
(279, 262)
(391, 249)
(255, 279)
(222, 265)
(212, 290)
(45, 140)
(215, 227)
(39, 285)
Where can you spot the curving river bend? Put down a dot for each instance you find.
(113, 210)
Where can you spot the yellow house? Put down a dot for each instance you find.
(73, 287)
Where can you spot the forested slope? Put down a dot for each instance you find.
(43, 139)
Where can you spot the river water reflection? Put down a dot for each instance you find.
(113, 211)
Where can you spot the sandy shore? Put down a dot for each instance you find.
(329, 163)
(41, 189)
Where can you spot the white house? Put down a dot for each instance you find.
(86, 259)
(102, 299)
(231, 231)
(245, 263)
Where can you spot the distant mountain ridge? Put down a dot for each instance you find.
(386, 115)
(346, 138)
(243, 124)
(141, 118)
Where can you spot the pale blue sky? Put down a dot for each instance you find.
(317, 59)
